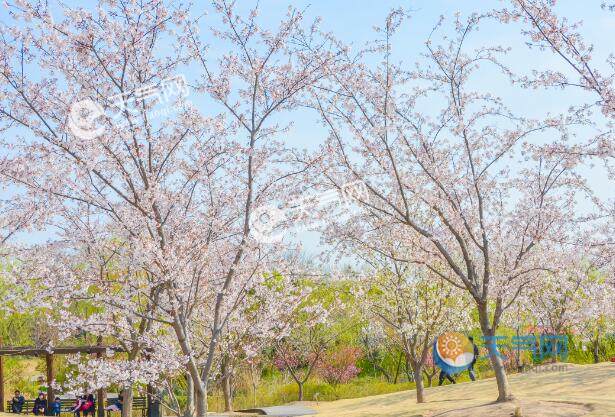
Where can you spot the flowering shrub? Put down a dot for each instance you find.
(283, 364)
(340, 366)
(288, 359)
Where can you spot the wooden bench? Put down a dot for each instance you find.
(66, 404)
(138, 404)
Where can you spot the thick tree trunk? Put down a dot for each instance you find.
(300, 385)
(189, 412)
(201, 401)
(199, 382)
(127, 405)
(504, 391)
(420, 388)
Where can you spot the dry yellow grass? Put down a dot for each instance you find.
(581, 390)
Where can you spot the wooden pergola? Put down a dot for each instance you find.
(98, 350)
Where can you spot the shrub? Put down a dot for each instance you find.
(340, 366)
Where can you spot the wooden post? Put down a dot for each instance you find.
(50, 378)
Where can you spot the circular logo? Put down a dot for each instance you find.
(263, 222)
(455, 350)
(82, 119)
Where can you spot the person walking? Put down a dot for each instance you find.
(476, 353)
(443, 375)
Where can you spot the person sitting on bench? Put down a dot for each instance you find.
(89, 406)
(117, 405)
(55, 407)
(40, 405)
(17, 402)
(79, 400)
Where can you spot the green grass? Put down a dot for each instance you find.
(277, 391)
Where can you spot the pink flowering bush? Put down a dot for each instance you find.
(340, 366)
(292, 360)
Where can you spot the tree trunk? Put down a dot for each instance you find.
(401, 354)
(253, 371)
(226, 386)
(199, 383)
(420, 388)
(596, 351)
(408, 369)
(201, 401)
(189, 412)
(127, 401)
(300, 385)
(253, 391)
(554, 349)
(504, 391)
(429, 377)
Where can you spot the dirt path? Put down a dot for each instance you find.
(579, 390)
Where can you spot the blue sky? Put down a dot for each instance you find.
(352, 22)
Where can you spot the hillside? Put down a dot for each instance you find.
(580, 390)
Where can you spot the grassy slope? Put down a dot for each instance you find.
(580, 390)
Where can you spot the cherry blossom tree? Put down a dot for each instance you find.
(299, 359)
(449, 166)
(149, 215)
(416, 306)
(597, 316)
(381, 350)
(581, 68)
(430, 369)
(313, 329)
(557, 300)
(265, 317)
